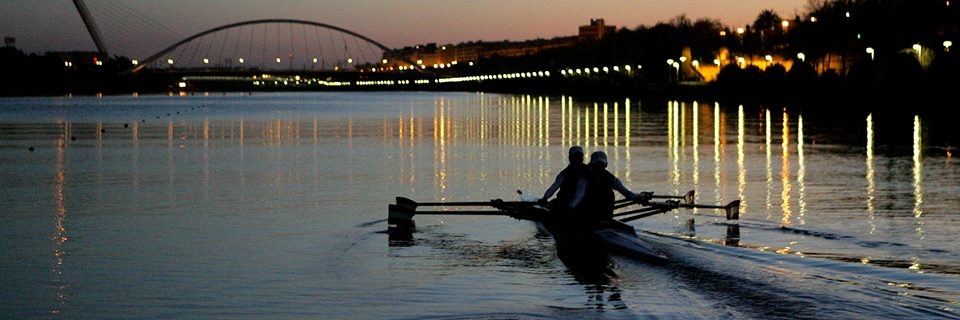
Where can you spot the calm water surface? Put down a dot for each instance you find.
(274, 206)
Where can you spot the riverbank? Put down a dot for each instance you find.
(817, 94)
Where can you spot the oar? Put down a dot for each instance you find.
(641, 210)
(642, 213)
(732, 209)
(401, 216)
(409, 203)
(687, 198)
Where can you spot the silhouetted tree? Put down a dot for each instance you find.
(943, 72)
(767, 26)
(903, 74)
(801, 78)
(863, 78)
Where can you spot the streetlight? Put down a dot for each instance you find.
(917, 47)
(802, 57)
(946, 45)
(676, 65)
(871, 52)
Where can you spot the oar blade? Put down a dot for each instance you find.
(689, 197)
(733, 210)
(407, 202)
(400, 216)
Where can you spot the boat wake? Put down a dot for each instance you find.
(806, 285)
(868, 252)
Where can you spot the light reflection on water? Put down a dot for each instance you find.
(274, 204)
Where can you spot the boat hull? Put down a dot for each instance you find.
(612, 235)
(624, 239)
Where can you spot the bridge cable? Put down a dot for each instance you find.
(223, 46)
(346, 54)
(291, 55)
(263, 58)
(359, 49)
(306, 46)
(236, 47)
(277, 40)
(122, 24)
(213, 40)
(250, 47)
(333, 48)
(196, 48)
(321, 47)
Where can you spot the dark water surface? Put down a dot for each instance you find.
(274, 206)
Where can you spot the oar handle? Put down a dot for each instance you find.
(688, 197)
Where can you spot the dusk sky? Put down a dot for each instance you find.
(55, 25)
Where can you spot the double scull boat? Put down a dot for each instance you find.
(615, 234)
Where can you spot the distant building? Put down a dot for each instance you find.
(433, 56)
(596, 30)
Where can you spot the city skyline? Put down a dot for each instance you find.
(45, 25)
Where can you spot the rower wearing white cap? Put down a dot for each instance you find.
(598, 199)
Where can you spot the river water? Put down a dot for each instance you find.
(274, 206)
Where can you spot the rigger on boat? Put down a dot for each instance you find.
(614, 234)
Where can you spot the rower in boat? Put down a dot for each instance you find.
(598, 197)
(569, 182)
(592, 223)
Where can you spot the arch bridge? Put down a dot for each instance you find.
(276, 45)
